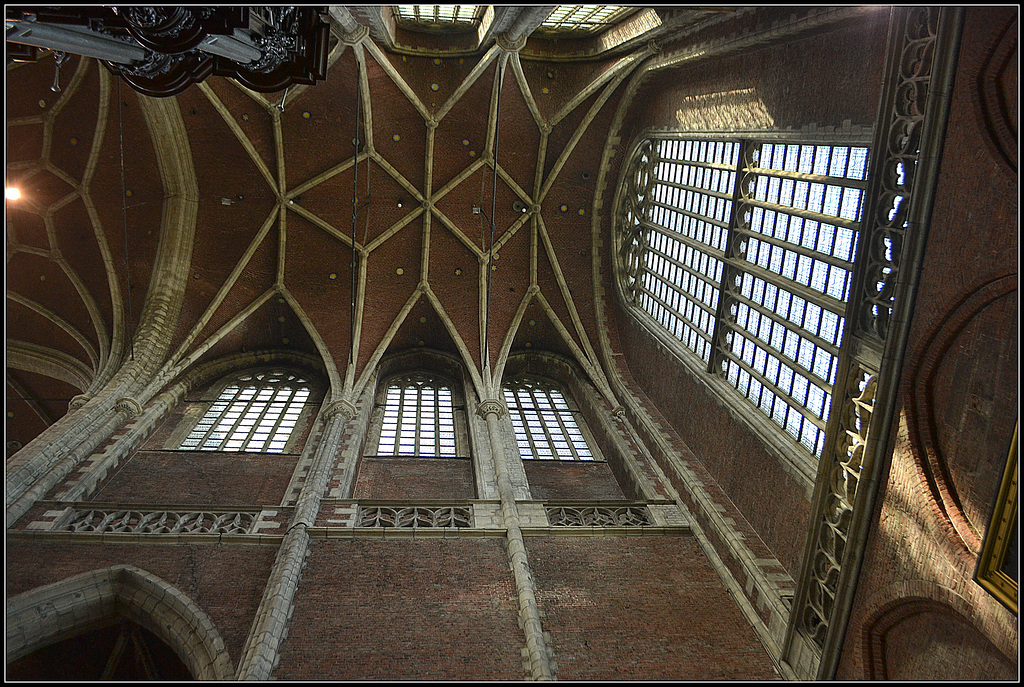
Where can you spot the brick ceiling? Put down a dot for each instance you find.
(271, 263)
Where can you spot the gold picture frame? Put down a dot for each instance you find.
(997, 569)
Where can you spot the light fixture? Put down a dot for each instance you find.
(400, 203)
(519, 206)
(12, 193)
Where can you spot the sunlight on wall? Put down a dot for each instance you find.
(637, 25)
(724, 111)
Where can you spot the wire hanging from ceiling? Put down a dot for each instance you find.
(494, 197)
(355, 210)
(124, 224)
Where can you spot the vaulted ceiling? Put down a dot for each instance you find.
(385, 160)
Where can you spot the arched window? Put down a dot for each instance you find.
(544, 422)
(419, 417)
(743, 251)
(255, 413)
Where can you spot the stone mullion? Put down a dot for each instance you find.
(284, 406)
(730, 270)
(912, 117)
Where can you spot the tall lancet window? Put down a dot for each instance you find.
(545, 422)
(256, 413)
(418, 418)
(743, 251)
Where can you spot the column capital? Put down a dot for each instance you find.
(341, 407)
(511, 45)
(489, 406)
(128, 406)
(356, 36)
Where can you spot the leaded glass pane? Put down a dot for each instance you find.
(418, 418)
(792, 254)
(256, 415)
(544, 424)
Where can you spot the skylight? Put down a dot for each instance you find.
(454, 15)
(582, 18)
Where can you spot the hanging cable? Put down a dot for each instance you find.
(490, 219)
(355, 207)
(124, 224)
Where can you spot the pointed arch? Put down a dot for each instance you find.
(58, 611)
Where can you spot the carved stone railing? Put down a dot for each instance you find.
(127, 521)
(415, 516)
(901, 187)
(598, 516)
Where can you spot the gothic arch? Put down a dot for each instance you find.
(937, 355)
(61, 610)
(937, 627)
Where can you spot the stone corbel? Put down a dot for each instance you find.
(489, 406)
(346, 409)
(128, 406)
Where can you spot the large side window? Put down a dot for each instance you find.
(255, 413)
(743, 250)
(419, 417)
(544, 421)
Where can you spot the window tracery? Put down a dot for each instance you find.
(743, 251)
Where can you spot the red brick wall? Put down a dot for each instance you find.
(952, 648)
(641, 608)
(414, 478)
(404, 610)
(226, 582)
(566, 481)
(826, 79)
(199, 477)
(958, 396)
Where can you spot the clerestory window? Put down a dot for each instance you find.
(743, 251)
(255, 413)
(419, 417)
(544, 422)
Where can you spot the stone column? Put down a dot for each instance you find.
(527, 21)
(123, 410)
(529, 615)
(270, 627)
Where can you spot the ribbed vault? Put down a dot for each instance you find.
(337, 219)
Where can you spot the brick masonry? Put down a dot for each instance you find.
(917, 607)
(408, 609)
(414, 478)
(200, 478)
(641, 608)
(567, 481)
(225, 581)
